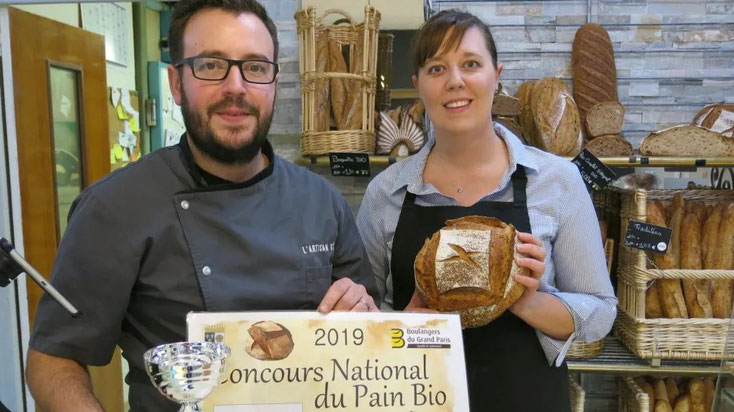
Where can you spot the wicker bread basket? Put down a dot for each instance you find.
(631, 397)
(679, 339)
(347, 35)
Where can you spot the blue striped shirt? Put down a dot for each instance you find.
(561, 215)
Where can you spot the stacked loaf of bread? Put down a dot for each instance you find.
(678, 395)
(506, 111)
(549, 116)
(702, 238)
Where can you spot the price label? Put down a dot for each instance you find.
(349, 164)
(641, 235)
(596, 174)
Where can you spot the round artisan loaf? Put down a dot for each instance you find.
(468, 266)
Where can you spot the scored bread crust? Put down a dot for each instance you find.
(477, 306)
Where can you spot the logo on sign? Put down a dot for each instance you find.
(397, 338)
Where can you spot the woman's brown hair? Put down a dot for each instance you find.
(430, 36)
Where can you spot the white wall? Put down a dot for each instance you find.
(117, 75)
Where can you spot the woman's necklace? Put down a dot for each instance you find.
(458, 188)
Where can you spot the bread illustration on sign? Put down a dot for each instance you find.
(269, 341)
(468, 266)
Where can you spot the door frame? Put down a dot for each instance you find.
(14, 328)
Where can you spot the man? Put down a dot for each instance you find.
(215, 223)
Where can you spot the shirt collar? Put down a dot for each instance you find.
(412, 173)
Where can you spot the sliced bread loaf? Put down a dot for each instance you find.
(718, 118)
(687, 140)
(605, 118)
(504, 105)
(610, 145)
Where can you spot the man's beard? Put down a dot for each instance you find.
(203, 137)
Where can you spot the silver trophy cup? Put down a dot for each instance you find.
(186, 372)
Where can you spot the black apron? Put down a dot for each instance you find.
(507, 370)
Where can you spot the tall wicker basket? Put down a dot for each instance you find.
(309, 27)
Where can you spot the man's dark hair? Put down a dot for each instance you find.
(430, 36)
(184, 9)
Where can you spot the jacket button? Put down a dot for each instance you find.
(206, 270)
(185, 204)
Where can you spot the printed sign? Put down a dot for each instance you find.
(346, 361)
(596, 174)
(349, 164)
(641, 235)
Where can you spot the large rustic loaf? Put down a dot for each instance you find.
(556, 118)
(469, 266)
(604, 118)
(505, 105)
(717, 118)
(610, 145)
(594, 71)
(526, 112)
(687, 140)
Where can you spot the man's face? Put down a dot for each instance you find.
(227, 119)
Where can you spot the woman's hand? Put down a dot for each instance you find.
(534, 260)
(416, 304)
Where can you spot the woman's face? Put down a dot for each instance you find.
(457, 86)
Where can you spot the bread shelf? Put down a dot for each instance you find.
(617, 359)
(633, 161)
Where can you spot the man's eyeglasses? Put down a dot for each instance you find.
(217, 68)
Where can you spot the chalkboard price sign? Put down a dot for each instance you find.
(641, 235)
(596, 174)
(349, 164)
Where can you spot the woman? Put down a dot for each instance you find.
(476, 167)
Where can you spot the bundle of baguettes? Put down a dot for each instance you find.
(468, 266)
(678, 394)
(702, 238)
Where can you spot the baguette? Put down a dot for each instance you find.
(709, 389)
(723, 258)
(696, 390)
(671, 292)
(321, 92)
(695, 291)
(647, 388)
(352, 119)
(661, 391)
(338, 86)
(672, 389)
(653, 307)
(662, 406)
(708, 240)
(683, 404)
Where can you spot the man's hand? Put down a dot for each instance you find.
(345, 295)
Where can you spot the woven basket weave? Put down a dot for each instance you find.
(576, 394)
(583, 350)
(679, 339)
(631, 397)
(346, 35)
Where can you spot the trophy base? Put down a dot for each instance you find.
(190, 407)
